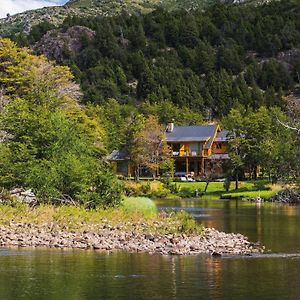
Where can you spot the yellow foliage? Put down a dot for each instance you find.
(39, 81)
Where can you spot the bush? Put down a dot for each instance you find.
(174, 188)
(153, 189)
(139, 204)
(186, 193)
(261, 185)
(187, 224)
(105, 192)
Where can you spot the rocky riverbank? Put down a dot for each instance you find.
(107, 237)
(289, 196)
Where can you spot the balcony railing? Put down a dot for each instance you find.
(186, 153)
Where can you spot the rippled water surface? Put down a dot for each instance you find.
(55, 274)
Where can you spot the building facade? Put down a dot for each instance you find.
(198, 151)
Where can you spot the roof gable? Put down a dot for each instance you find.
(197, 133)
(222, 136)
(118, 155)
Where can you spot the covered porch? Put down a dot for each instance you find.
(189, 166)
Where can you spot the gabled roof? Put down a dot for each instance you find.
(200, 133)
(222, 136)
(118, 155)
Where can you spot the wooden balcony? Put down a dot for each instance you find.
(187, 154)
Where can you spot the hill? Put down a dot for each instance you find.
(23, 22)
(207, 61)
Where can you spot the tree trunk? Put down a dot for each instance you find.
(206, 186)
(255, 172)
(137, 173)
(236, 180)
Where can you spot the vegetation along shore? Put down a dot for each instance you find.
(89, 106)
(118, 229)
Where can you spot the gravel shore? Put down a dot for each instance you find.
(107, 237)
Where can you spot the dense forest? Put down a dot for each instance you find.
(209, 62)
(234, 64)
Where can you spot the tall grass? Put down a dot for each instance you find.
(136, 214)
(139, 204)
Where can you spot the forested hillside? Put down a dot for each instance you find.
(227, 63)
(90, 8)
(209, 62)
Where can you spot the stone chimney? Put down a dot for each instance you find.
(170, 126)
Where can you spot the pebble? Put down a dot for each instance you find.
(111, 238)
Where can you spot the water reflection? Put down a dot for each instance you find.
(56, 274)
(92, 275)
(274, 225)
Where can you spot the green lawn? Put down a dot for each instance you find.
(247, 189)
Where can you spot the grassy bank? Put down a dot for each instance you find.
(247, 189)
(129, 217)
(216, 190)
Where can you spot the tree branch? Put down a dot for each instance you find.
(288, 126)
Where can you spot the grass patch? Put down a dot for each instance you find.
(139, 204)
(216, 190)
(129, 217)
(265, 194)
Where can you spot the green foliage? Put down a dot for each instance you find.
(51, 145)
(139, 204)
(192, 59)
(258, 139)
(188, 224)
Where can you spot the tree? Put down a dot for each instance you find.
(150, 149)
(234, 122)
(50, 144)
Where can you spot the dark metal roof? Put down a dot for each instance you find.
(199, 133)
(118, 155)
(222, 136)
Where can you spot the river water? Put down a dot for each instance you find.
(57, 274)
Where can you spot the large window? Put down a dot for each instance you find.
(195, 150)
(176, 149)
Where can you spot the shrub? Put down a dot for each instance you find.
(139, 204)
(186, 224)
(186, 192)
(105, 192)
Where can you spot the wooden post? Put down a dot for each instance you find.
(202, 165)
(128, 169)
(196, 167)
(187, 165)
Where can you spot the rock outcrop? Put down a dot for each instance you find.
(59, 44)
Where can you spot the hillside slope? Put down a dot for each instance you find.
(23, 22)
(195, 59)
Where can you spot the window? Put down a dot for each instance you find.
(176, 149)
(219, 146)
(194, 149)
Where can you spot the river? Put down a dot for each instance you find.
(58, 274)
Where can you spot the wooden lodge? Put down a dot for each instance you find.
(199, 151)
